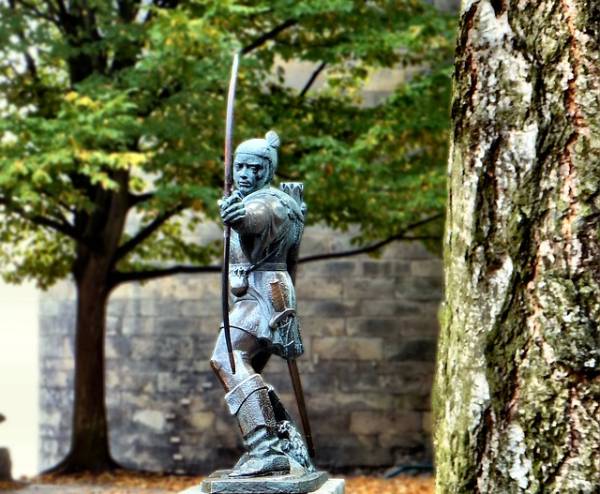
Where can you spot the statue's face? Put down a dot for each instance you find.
(250, 173)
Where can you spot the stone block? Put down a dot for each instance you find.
(52, 450)
(322, 326)
(122, 379)
(426, 326)
(146, 307)
(328, 308)
(426, 289)
(412, 350)
(327, 423)
(129, 400)
(57, 346)
(118, 347)
(359, 378)
(134, 325)
(185, 382)
(388, 307)
(126, 291)
(314, 287)
(348, 348)
(369, 288)
(57, 398)
(337, 269)
(401, 439)
(336, 402)
(153, 454)
(58, 325)
(167, 347)
(407, 250)
(51, 307)
(152, 419)
(372, 268)
(56, 364)
(417, 401)
(427, 422)
(317, 380)
(334, 457)
(202, 421)
(54, 419)
(206, 286)
(392, 328)
(201, 308)
(57, 379)
(428, 267)
(383, 327)
(314, 244)
(177, 325)
(349, 441)
(370, 422)
(117, 306)
(209, 325)
(194, 365)
(415, 378)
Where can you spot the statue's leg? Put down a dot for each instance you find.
(248, 399)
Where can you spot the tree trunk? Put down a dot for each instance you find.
(517, 392)
(90, 450)
(93, 270)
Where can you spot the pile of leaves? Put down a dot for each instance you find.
(123, 482)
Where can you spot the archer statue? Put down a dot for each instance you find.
(265, 225)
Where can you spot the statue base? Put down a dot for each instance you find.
(220, 483)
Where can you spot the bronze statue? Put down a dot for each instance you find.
(267, 225)
(263, 230)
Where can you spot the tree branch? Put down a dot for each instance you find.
(33, 10)
(377, 245)
(312, 79)
(119, 277)
(29, 61)
(135, 199)
(59, 226)
(145, 232)
(272, 34)
(361, 250)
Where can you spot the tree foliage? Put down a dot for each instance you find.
(100, 96)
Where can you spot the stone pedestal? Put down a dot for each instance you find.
(315, 483)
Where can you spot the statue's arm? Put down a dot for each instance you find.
(252, 216)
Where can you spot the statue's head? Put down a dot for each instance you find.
(255, 162)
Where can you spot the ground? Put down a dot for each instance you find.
(133, 483)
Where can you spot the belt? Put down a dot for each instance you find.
(265, 266)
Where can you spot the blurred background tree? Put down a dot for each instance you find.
(112, 125)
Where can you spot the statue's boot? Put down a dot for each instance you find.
(249, 402)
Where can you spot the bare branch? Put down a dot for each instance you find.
(29, 61)
(145, 232)
(377, 245)
(135, 199)
(362, 250)
(60, 226)
(120, 277)
(312, 79)
(33, 10)
(272, 34)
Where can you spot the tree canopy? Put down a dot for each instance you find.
(99, 97)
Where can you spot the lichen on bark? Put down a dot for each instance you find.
(517, 392)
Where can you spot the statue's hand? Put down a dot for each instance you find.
(232, 209)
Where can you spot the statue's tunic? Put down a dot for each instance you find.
(264, 247)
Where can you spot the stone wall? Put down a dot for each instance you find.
(369, 327)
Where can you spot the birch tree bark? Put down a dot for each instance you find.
(517, 393)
